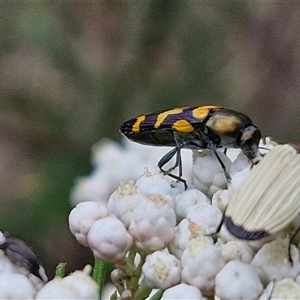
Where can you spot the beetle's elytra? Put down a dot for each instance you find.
(195, 127)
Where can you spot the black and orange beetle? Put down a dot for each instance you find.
(194, 127)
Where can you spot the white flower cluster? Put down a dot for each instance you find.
(113, 162)
(23, 277)
(158, 235)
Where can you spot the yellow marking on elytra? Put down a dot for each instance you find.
(162, 116)
(183, 126)
(136, 125)
(201, 112)
(224, 124)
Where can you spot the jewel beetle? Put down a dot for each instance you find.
(194, 127)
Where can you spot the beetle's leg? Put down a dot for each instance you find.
(166, 158)
(178, 179)
(178, 163)
(212, 146)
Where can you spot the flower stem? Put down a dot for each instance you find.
(142, 293)
(99, 274)
(157, 295)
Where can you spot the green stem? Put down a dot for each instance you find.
(99, 274)
(142, 293)
(134, 283)
(131, 256)
(157, 295)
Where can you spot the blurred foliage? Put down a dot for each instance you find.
(71, 72)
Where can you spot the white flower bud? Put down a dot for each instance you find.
(89, 188)
(183, 233)
(16, 286)
(123, 201)
(109, 240)
(239, 164)
(182, 291)
(238, 280)
(236, 180)
(206, 215)
(208, 175)
(112, 164)
(153, 223)
(286, 288)
(78, 285)
(178, 187)
(118, 279)
(2, 237)
(267, 292)
(236, 250)
(126, 295)
(201, 261)
(7, 266)
(153, 183)
(232, 153)
(104, 152)
(161, 270)
(220, 200)
(83, 216)
(188, 198)
(272, 261)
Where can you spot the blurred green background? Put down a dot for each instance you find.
(72, 72)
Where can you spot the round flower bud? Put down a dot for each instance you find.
(78, 285)
(272, 261)
(236, 180)
(83, 216)
(16, 286)
(238, 280)
(2, 237)
(220, 200)
(239, 164)
(236, 250)
(286, 288)
(184, 200)
(184, 231)
(109, 240)
(123, 201)
(201, 261)
(206, 215)
(105, 152)
(161, 270)
(89, 188)
(153, 183)
(153, 223)
(182, 291)
(208, 175)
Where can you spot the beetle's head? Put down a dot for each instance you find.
(248, 140)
